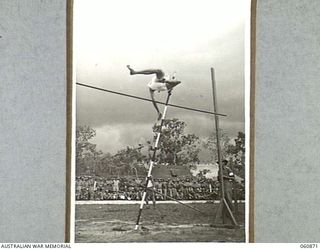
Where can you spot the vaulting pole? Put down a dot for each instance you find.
(222, 187)
(152, 161)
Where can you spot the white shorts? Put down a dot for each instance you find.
(155, 85)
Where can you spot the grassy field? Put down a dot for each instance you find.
(165, 223)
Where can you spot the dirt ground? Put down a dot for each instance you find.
(166, 223)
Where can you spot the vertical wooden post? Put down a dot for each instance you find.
(223, 202)
(215, 108)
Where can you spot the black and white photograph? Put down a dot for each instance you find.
(160, 130)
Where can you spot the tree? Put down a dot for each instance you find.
(176, 147)
(105, 166)
(87, 156)
(84, 133)
(210, 143)
(129, 161)
(237, 154)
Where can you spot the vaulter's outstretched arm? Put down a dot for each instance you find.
(171, 84)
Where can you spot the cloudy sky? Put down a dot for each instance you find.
(188, 37)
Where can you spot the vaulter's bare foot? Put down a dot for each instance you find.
(132, 72)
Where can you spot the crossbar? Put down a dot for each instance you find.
(148, 100)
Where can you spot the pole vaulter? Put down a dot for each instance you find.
(160, 82)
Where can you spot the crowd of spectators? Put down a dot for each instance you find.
(187, 188)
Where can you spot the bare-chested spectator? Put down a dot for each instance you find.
(158, 189)
(164, 186)
(115, 185)
(170, 185)
(174, 189)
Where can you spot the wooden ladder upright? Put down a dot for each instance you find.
(152, 161)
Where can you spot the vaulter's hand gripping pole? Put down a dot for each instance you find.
(153, 158)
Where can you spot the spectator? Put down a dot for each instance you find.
(115, 185)
(94, 188)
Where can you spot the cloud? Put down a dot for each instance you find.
(109, 36)
(113, 138)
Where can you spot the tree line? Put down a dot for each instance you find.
(176, 147)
